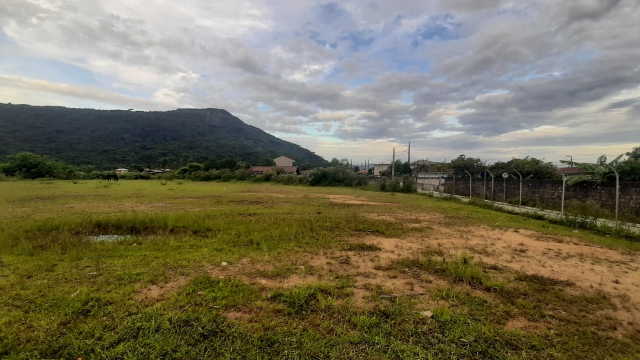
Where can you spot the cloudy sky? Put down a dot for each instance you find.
(491, 79)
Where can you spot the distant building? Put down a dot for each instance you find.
(263, 169)
(122, 171)
(283, 161)
(433, 181)
(378, 168)
(573, 171)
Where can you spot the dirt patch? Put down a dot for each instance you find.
(352, 200)
(523, 324)
(271, 194)
(409, 219)
(161, 291)
(568, 259)
(237, 315)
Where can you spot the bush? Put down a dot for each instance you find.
(334, 176)
(405, 185)
(31, 166)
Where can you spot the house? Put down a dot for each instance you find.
(283, 161)
(122, 171)
(378, 168)
(263, 169)
(572, 171)
(433, 181)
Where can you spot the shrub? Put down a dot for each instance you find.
(31, 166)
(334, 176)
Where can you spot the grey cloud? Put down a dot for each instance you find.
(622, 104)
(589, 9)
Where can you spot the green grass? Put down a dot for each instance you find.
(65, 296)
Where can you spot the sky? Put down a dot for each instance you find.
(350, 79)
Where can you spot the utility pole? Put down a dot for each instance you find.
(393, 164)
(564, 181)
(409, 156)
(571, 158)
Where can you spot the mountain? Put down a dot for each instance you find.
(108, 139)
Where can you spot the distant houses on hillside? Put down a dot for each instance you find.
(281, 162)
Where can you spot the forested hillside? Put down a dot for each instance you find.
(117, 138)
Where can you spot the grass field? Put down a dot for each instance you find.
(135, 270)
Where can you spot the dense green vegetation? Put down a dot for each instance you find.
(532, 168)
(63, 295)
(109, 139)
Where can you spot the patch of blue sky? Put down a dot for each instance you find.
(406, 98)
(4, 38)
(534, 76)
(452, 121)
(441, 134)
(359, 82)
(264, 108)
(357, 40)
(443, 27)
(315, 36)
(331, 12)
(582, 56)
(313, 130)
(334, 74)
(422, 66)
(45, 69)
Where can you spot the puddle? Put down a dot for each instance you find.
(109, 237)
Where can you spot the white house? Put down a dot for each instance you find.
(283, 161)
(378, 168)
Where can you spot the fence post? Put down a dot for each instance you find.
(453, 189)
(492, 199)
(469, 184)
(564, 180)
(617, 191)
(484, 185)
(520, 187)
(504, 189)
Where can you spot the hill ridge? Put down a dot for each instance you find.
(122, 138)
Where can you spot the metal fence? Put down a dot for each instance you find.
(612, 198)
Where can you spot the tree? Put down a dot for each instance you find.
(32, 166)
(266, 162)
(334, 162)
(472, 165)
(305, 166)
(629, 170)
(634, 154)
(598, 171)
(164, 162)
(400, 168)
(529, 167)
(190, 168)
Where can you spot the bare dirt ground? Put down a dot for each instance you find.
(588, 266)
